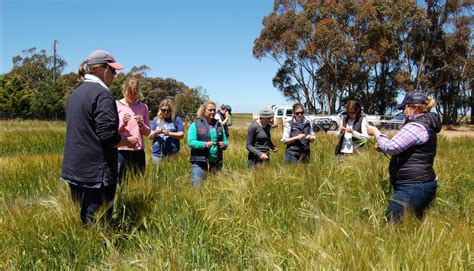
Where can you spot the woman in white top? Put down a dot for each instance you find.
(353, 132)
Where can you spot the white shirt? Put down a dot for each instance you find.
(95, 79)
(347, 144)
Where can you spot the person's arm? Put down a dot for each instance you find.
(251, 134)
(226, 118)
(410, 135)
(123, 118)
(154, 132)
(193, 143)
(342, 129)
(179, 130)
(129, 141)
(270, 142)
(286, 133)
(145, 127)
(225, 142)
(363, 135)
(106, 120)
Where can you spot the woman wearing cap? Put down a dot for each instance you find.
(353, 131)
(207, 140)
(167, 129)
(297, 135)
(413, 150)
(90, 153)
(134, 121)
(259, 139)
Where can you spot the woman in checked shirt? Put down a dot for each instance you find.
(413, 150)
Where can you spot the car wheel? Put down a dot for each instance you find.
(333, 126)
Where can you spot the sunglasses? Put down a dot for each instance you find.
(165, 110)
(299, 113)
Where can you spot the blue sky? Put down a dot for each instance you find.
(204, 43)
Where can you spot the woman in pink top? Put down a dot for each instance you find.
(134, 121)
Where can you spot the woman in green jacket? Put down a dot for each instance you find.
(207, 140)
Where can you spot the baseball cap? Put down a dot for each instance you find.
(103, 57)
(413, 97)
(229, 109)
(265, 112)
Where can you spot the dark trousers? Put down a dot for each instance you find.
(252, 162)
(92, 199)
(131, 160)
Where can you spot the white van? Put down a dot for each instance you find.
(281, 114)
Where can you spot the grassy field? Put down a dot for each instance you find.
(316, 216)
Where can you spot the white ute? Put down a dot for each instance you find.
(284, 113)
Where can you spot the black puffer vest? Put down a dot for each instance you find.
(299, 146)
(415, 165)
(203, 134)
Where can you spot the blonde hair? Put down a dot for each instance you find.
(426, 107)
(203, 107)
(170, 104)
(86, 69)
(131, 85)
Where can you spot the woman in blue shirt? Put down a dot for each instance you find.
(167, 130)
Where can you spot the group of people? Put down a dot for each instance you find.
(105, 140)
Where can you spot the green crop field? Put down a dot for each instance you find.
(323, 215)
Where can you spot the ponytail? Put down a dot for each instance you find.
(81, 73)
(426, 107)
(430, 103)
(84, 69)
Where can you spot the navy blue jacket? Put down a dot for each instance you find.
(415, 165)
(92, 132)
(299, 146)
(203, 134)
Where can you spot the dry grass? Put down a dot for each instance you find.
(317, 216)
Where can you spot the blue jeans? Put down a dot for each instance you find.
(157, 160)
(294, 157)
(412, 197)
(131, 160)
(199, 171)
(92, 199)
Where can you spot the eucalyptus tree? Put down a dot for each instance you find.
(329, 51)
(442, 54)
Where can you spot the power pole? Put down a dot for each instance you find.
(54, 61)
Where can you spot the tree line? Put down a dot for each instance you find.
(36, 88)
(371, 51)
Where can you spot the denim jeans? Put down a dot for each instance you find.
(92, 199)
(199, 171)
(294, 157)
(131, 160)
(412, 197)
(157, 160)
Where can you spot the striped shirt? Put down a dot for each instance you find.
(411, 134)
